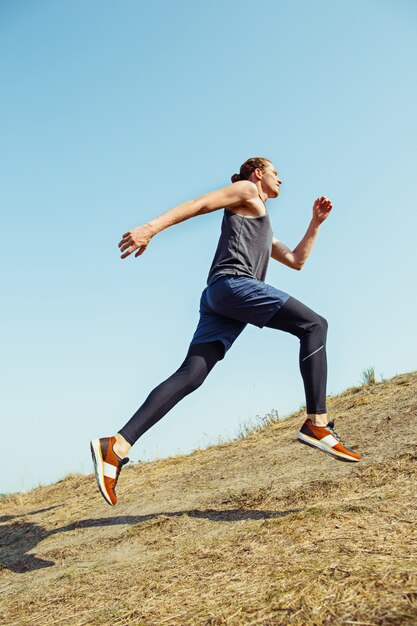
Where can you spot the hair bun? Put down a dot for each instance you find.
(235, 178)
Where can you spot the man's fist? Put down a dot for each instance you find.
(321, 209)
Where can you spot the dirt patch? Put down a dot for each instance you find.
(256, 531)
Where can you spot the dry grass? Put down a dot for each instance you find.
(259, 531)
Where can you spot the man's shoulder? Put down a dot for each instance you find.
(249, 204)
(247, 188)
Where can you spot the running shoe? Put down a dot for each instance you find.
(107, 466)
(326, 439)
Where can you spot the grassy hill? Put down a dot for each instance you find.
(258, 531)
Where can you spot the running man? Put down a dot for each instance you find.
(236, 295)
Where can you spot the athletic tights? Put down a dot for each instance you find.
(293, 317)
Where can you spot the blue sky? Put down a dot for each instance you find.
(114, 112)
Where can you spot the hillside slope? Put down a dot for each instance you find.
(256, 531)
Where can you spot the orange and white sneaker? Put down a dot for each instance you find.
(107, 466)
(326, 439)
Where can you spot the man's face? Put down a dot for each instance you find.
(270, 181)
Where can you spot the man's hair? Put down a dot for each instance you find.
(249, 166)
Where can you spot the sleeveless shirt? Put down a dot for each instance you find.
(244, 247)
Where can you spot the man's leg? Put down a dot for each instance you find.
(311, 329)
(109, 453)
(198, 363)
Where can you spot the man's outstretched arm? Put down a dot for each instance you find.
(297, 257)
(234, 194)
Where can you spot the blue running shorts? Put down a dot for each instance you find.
(230, 302)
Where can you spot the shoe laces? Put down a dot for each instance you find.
(330, 426)
(119, 468)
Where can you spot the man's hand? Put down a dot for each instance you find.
(136, 239)
(321, 209)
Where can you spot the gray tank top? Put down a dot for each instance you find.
(244, 247)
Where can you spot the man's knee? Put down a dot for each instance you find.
(324, 323)
(317, 324)
(197, 373)
(200, 360)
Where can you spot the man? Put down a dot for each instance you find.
(236, 294)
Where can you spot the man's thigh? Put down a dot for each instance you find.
(295, 317)
(245, 299)
(213, 327)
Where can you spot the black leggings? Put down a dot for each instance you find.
(293, 317)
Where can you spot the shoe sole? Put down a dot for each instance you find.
(315, 443)
(99, 468)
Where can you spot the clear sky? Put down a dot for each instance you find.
(113, 112)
